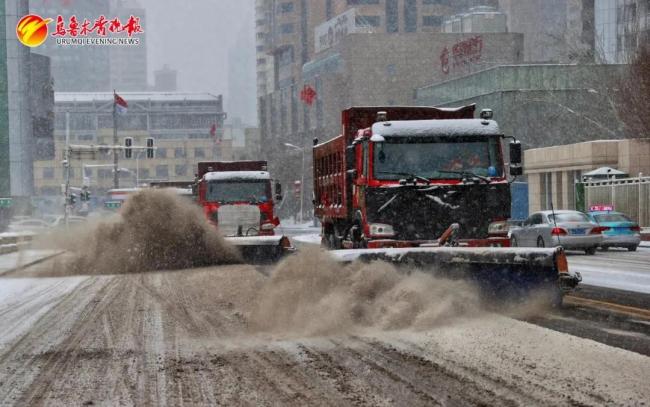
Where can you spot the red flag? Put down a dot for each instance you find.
(120, 104)
(213, 133)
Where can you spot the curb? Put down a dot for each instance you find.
(29, 264)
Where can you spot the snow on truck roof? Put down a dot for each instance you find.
(450, 127)
(228, 175)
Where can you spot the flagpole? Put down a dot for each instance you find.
(116, 175)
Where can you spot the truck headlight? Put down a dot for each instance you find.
(381, 230)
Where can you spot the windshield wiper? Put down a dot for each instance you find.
(466, 175)
(407, 174)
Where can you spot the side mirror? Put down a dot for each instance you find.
(278, 191)
(515, 153)
(516, 168)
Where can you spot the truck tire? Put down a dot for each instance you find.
(540, 242)
(631, 248)
(590, 251)
(513, 241)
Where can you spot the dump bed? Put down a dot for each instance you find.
(220, 166)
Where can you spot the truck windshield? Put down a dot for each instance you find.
(230, 191)
(436, 158)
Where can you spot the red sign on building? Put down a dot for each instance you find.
(308, 95)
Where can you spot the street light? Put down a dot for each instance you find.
(302, 175)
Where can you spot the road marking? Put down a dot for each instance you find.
(622, 309)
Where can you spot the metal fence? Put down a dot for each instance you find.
(630, 196)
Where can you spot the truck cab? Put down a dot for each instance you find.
(404, 180)
(237, 197)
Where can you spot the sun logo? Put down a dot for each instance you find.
(31, 30)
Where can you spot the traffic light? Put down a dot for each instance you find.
(128, 143)
(150, 148)
(72, 200)
(85, 196)
(297, 186)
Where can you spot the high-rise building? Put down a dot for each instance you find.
(76, 68)
(128, 64)
(165, 79)
(558, 31)
(621, 26)
(25, 109)
(241, 100)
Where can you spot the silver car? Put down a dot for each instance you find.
(569, 229)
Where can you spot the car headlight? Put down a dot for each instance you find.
(381, 230)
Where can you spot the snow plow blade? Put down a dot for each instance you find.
(261, 249)
(499, 272)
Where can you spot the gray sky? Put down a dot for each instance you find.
(193, 37)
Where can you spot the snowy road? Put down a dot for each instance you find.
(615, 268)
(189, 337)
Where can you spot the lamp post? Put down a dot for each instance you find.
(302, 175)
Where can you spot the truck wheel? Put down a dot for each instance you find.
(590, 251)
(540, 242)
(631, 249)
(513, 242)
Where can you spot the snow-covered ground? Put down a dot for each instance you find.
(310, 238)
(24, 258)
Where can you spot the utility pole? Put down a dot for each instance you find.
(66, 168)
(116, 174)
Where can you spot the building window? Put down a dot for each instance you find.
(85, 137)
(431, 21)
(356, 2)
(199, 152)
(286, 7)
(410, 16)
(144, 173)
(181, 170)
(48, 173)
(179, 152)
(436, 2)
(287, 28)
(161, 152)
(162, 171)
(367, 21)
(392, 16)
(104, 173)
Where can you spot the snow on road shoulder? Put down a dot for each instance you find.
(24, 258)
(311, 238)
(581, 370)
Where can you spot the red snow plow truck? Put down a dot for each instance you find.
(237, 197)
(429, 187)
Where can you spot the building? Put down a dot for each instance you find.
(242, 100)
(621, 26)
(385, 69)
(553, 172)
(26, 101)
(128, 64)
(76, 69)
(558, 31)
(542, 105)
(186, 127)
(481, 19)
(165, 79)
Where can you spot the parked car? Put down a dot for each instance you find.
(572, 230)
(72, 221)
(622, 231)
(31, 225)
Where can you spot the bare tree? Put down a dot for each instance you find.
(633, 96)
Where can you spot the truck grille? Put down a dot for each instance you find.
(232, 217)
